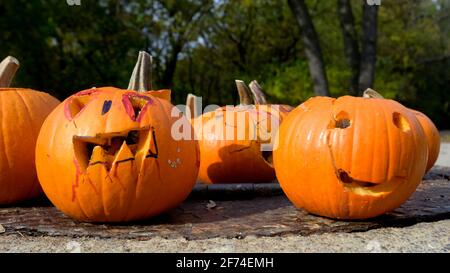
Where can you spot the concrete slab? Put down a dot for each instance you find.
(245, 218)
(236, 218)
(444, 155)
(422, 237)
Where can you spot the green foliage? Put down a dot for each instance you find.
(202, 46)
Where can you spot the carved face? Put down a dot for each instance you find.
(230, 143)
(350, 157)
(108, 155)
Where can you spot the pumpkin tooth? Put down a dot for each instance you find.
(124, 154)
(98, 156)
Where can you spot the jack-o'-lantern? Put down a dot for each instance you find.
(231, 139)
(351, 157)
(108, 155)
(431, 132)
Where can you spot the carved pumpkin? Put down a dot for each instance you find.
(107, 154)
(431, 132)
(22, 112)
(350, 158)
(230, 140)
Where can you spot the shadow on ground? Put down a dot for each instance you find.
(258, 216)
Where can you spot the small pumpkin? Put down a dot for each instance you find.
(22, 112)
(108, 155)
(433, 138)
(431, 132)
(231, 139)
(350, 157)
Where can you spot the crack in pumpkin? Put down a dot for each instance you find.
(267, 156)
(237, 150)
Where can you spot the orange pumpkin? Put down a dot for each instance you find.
(431, 132)
(433, 138)
(108, 155)
(350, 158)
(230, 140)
(22, 113)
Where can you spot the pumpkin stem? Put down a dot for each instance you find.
(8, 68)
(370, 93)
(258, 94)
(191, 103)
(245, 96)
(141, 79)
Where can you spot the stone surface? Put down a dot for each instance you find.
(422, 237)
(444, 155)
(269, 214)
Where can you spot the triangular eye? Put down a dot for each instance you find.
(135, 105)
(138, 104)
(75, 105)
(77, 102)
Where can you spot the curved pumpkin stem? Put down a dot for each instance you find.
(141, 79)
(258, 94)
(370, 93)
(245, 96)
(8, 68)
(191, 103)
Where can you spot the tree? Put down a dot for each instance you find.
(168, 27)
(350, 38)
(242, 40)
(202, 46)
(369, 45)
(362, 65)
(312, 47)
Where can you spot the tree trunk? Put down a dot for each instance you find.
(312, 46)
(351, 49)
(171, 66)
(369, 44)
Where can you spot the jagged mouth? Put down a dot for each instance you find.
(111, 149)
